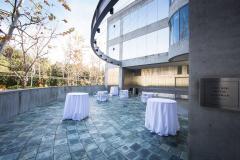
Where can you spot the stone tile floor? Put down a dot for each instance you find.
(115, 130)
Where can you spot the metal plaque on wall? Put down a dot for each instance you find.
(220, 93)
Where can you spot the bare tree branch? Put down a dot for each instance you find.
(14, 9)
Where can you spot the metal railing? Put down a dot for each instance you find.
(103, 7)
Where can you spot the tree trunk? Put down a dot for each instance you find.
(10, 32)
(24, 81)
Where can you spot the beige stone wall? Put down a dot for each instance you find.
(113, 76)
(164, 76)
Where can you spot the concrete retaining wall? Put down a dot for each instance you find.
(19, 101)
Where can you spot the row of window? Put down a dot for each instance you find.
(150, 12)
(152, 43)
(149, 44)
(179, 26)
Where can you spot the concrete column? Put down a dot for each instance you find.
(121, 77)
(214, 134)
(121, 70)
(121, 40)
(106, 75)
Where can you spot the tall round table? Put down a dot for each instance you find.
(102, 96)
(161, 116)
(76, 106)
(114, 90)
(146, 95)
(123, 94)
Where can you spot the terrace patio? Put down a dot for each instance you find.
(114, 130)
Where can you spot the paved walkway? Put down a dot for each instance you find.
(115, 130)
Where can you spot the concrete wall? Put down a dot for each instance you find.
(179, 49)
(112, 76)
(146, 60)
(214, 134)
(167, 92)
(164, 76)
(19, 101)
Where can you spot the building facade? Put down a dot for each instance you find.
(212, 51)
(150, 39)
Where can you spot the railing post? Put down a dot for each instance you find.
(175, 85)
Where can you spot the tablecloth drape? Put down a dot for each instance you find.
(161, 116)
(76, 106)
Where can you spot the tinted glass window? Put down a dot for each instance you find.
(174, 28)
(184, 31)
(150, 12)
(179, 70)
(149, 44)
(113, 51)
(114, 30)
(179, 26)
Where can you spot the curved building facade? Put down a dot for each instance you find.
(179, 30)
(150, 40)
(149, 47)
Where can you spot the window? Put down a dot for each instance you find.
(162, 9)
(148, 13)
(113, 52)
(179, 26)
(114, 30)
(162, 40)
(184, 31)
(148, 44)
(187, 69)
(137, 72)
(179, 70)
(174, 29)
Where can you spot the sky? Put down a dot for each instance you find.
(80, 18)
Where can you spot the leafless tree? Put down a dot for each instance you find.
(16, 14)
(74, 59)
(33, 45)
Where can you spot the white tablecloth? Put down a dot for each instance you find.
(114, 90)
(146, 95)
(102, 96)
(76, 106)
(123, 94)
(161, 116)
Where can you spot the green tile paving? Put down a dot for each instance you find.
(115, 130)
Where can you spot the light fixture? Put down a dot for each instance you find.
(111, 11)
(98, 30)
